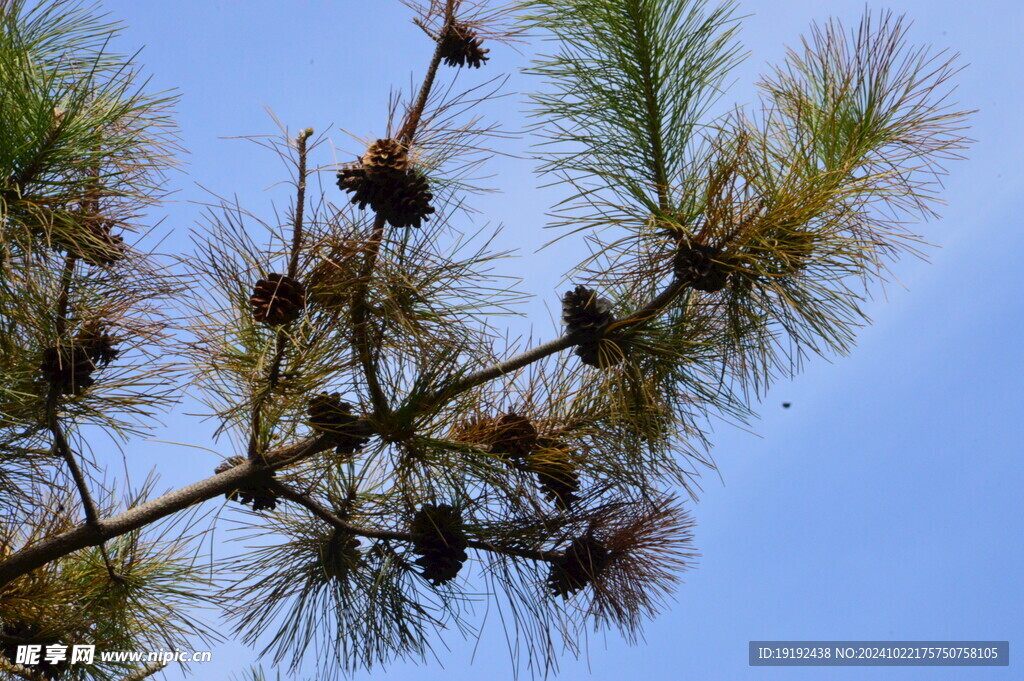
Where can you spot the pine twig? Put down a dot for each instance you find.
(60, 442)
(359, 311)
(274, 374)
(325, 514)
(644, 314)
(92, 516)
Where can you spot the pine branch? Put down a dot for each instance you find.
(330, 518)
(92, 515)
(52, 548)
(360, 321)
(274, 373)
(408, 132)
(60, 442)
(359, 307)
(648, 312)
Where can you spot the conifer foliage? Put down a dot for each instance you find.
(389, 460)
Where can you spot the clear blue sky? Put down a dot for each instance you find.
(884, 505)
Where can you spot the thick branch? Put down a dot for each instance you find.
(52, 548)
(60, 442)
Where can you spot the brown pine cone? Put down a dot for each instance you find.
(514, 437)
(277, 300)
(461, 47)
(403, 199)
(701, 266)
(408, 202)
(385, 158)
(260, 496)
(439, 540)
(329, 414)
(581, 563)
(68, 369)
(584, 312)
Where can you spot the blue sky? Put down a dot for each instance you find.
(885, 504)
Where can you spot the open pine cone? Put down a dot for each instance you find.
(462, 47)
(385, 159)
(408, 205)
(277, 300)
(584, 312)
(384, 180)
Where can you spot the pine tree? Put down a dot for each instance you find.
(386, 456)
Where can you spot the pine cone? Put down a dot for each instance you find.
(408, 204)
(69, 369)
(701, 266)
(329, 414)
(352, 178)
(261, 497)
(514, 437)
(277, 300)
(339, 554)
(403, 199)
(584, 312)
(461, 46)
(556, 474)
(439, 540)
(581, 563)
(385, 159)
(98, 345)
(604, 352)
